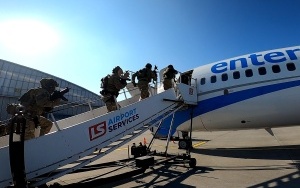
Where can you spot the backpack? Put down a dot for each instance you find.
(104, 84)
(27, 99)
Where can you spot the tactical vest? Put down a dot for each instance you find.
(142, 75)
(28, 98)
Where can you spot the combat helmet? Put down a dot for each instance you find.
(116, 69)
(48, 83)
(148, 65)
(170, 67)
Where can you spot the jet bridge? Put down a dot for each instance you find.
(72, 147)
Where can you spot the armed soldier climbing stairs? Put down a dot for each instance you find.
(78, 137)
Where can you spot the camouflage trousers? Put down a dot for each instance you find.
(167, 84)
(44, 123)
(144, 88)
(110, 103)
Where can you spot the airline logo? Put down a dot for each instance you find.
(97, 130)
(257, 60)
(191, 91)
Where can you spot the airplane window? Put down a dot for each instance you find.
(213, 79)
(202, 81)
(224, 77)
(291, 66)
(236, 75)
(276, 68)
(262, 71)
(249, 73)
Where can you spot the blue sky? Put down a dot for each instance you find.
(82, 41)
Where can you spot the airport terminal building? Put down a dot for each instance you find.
(16, 79)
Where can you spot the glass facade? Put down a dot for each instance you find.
(16, 79)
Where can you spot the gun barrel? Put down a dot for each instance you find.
(64, 91)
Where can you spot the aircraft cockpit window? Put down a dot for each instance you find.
(290, 66)
(276, 68)
(224, 77)
(248, 73)
(202, 81)
(236, 75)
(262, 71)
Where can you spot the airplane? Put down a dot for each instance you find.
(253, 91)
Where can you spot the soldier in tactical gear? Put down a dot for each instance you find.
(144, 77)
(115, 82)
(35, 101)
(169, 75)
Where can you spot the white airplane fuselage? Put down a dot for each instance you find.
(258, 90)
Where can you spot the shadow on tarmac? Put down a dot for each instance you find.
(171, 177)
(291, 152)
(291, 180)
(168, 176)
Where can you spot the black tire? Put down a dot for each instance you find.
(192, 162)
(182, 144)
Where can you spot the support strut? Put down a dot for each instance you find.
(16, 150)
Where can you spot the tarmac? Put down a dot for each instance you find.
(247, 158)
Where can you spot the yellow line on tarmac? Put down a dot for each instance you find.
(199, 144)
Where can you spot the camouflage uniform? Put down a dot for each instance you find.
(168, 75)
(39, 99)
(144, 77)
(115, 84)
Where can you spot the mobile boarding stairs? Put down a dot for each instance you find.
(73, 145)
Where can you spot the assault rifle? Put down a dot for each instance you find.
(59, 94)
(125, 78)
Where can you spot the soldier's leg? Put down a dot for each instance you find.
(108, 102)
(167, 84)
(144, 93)
(29, 130)
(45, 124)
(111, 106)
(144, 87)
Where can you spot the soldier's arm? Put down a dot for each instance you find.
(154, 75)
(43, 99)
(118, 84)
(133, 77)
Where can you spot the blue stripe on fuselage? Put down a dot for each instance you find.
(220, 102)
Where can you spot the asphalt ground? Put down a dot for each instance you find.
(249, 158)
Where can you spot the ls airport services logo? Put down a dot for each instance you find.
(113, 124)
(97, 130)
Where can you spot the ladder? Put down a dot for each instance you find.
(126, 137)
(62, 152)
